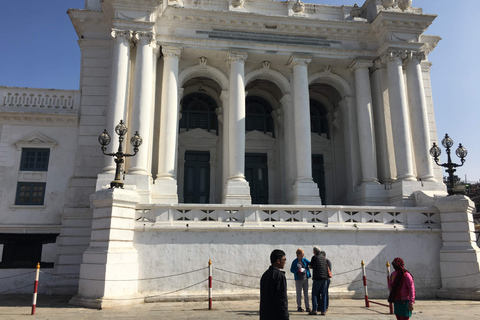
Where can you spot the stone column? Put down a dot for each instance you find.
(166, 178)
(222, 120)
(460, 255)
(142, 100)
(108, 273)
(419, 116)
(117, 96)
(400, 122)
(305, 190)
(383, 133)
(237, 188)
(366, 135)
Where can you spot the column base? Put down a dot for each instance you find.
(402, 193)
(370, 193)
(164, 191)
(237, 192)
(306, 192)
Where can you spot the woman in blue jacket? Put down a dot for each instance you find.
(300, 269)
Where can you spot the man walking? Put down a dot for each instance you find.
(318, 265)
(273, 289)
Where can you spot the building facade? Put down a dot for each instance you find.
(254, 115)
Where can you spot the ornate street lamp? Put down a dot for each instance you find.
(104, 139)
(461, 152)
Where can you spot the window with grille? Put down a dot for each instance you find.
(32, 193)
(258, 115)
(34, 159)
(198, 111)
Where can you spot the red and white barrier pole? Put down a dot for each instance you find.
(35, 287)
(209, 284)
(390, 305)
(367, 304)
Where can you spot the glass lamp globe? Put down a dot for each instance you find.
(447, 142)
(104, 138)
(121, 129)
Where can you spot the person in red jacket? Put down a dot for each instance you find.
(402, 290)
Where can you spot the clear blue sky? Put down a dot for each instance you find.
(39, 49)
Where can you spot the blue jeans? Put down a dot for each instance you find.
(319, 293)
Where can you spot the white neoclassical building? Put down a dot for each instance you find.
(264, 123)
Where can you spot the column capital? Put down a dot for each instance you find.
(299, 60)
(377, 65)
(237, 57)
(171, 52)
(393, 54)
(360, 64)
(122, 35)
(146, 37)
(415, 55)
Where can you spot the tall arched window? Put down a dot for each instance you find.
(258, 115)
(318, 118)
(198, 111)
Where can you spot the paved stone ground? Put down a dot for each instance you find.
(57, 308)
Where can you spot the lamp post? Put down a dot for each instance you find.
(461, 152)
(104, 139)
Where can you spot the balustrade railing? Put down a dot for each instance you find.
(287, 216)
(39, 100)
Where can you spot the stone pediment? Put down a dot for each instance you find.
(36, 140)
(257, 135)
(319, 140)
(199, 137)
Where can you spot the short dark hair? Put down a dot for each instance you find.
(276, 254)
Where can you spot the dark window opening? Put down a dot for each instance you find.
(34, 159)
(30, 193)
(318, 118)
(196, 187)
(258, 115)
(198, 111)
(256, 173)
(22, 251)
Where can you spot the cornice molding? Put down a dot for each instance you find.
(347, 30)
(33, 119)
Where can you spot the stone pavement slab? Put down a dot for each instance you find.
(18, 307)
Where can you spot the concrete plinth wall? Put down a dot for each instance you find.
(239, 257)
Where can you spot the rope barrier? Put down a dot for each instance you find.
(16, 288)
(59, 275)
(164, 294)
(238, 285)
(144, 279)
(240, 274)
(17, 275)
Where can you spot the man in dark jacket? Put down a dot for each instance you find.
(318, 265)
(273, 289)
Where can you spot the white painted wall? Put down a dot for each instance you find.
(170, 252)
